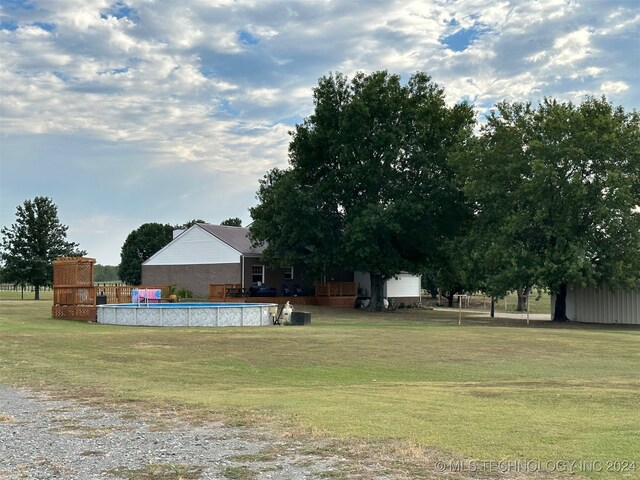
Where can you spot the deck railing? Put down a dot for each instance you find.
(336, 289)
(218, 291)
(87, 295)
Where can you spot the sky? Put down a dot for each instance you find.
(132, 111)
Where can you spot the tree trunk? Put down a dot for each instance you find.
(493, 308)
(522, 299)
(37, 294)
(377, 287)
(560, 311)
(450, 298)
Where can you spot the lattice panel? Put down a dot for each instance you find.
(84, 274)
(76, 312)
(73, 272)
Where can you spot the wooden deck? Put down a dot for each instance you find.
(342, 302)
(336, 289)
(283, 300)
(336, 294)
(330, 294)
(345, 302)
(79, 303)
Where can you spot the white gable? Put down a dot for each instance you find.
(195, 247)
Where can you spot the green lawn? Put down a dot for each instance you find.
(537, 304)
(28, 294)
(484, 390)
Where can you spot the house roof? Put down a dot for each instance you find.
(235, 237)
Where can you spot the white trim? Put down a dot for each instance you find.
(262, 275)
(285, 273)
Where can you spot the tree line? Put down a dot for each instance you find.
(386, 177)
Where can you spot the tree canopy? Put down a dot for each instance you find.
(105, 273)
(232, 222)
(556, 191)
(369, 186)
(30, 245)
(189, 224)
(386, 177)
(141, 244)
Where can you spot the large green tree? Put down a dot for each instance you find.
(369, 186)
(556, 191)
(30, 245)
(491, 170)
(140, 244)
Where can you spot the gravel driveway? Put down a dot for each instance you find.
(45, 438)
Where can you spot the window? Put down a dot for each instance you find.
(257, 274)
(288, 273)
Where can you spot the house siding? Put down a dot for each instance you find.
(273, 276)
(192, 277)
(195, 247)
(405, 288)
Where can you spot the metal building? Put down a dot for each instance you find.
(601, 305)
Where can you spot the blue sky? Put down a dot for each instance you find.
(133, 111)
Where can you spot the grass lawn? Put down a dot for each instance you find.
(486, 390)
(541, 304)
(28, 294)
(537, 304)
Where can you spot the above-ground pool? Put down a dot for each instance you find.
(187, 314)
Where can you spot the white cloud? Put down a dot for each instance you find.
(594, 71)
(179, 82)
(571, 48)
(614, 87)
